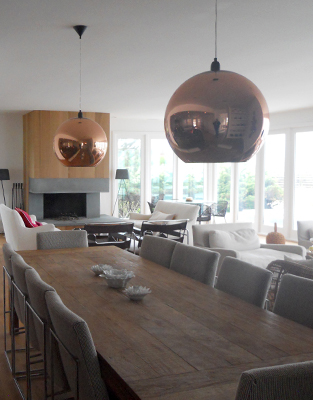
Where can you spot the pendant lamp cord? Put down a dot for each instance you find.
(215, 66)
(80, 74)
(216, 29)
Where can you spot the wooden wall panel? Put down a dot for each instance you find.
(39, 158)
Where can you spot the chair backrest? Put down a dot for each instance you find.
(62, 239)
(288, 382)
(157, 249)
(118, 227)
(116, 234)
(10, 219)
(246, 281)
(8, 252)
(199, 264)
(219, 209)
(19, 267)
(37, 289)
(305, 233)
(294, 299)
(74, 334)
(176, 229)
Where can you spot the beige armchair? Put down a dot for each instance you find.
(305, 233)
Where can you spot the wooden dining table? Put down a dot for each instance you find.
(184, 340)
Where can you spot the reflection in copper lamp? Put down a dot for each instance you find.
(216, 116)
(80, 142)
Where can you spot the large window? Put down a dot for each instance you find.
(162, 157)
(246, 191)
(192, 180)
(129, 156)
(223, 174)
(274, 174)
(303, 184)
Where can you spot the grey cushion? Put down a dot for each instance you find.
(295, 299)
(244, 280)
(158, 250)
(75, 336)
(195, 262)
(282, 382)
(62, 239)
(37, 289)
(8, 252)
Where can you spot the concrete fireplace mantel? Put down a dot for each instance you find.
(68, 185)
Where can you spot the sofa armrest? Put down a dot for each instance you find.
(27, 237)
(288, 248)
(143, 217)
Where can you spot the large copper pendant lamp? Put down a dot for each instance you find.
(80, 142)
(216, 116)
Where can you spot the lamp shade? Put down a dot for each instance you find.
(4, 175)
(80, 142)
(216, 116)
(122, 174)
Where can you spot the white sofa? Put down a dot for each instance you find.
(305, 233)
(16, 233)
(239, 240)
(173, 210)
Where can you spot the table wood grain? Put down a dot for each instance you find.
(185, 340)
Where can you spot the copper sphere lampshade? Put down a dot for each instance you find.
(216, 116)
(80, 142)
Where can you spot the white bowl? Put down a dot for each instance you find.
(136, 292)
(117, 278)
(100, 268)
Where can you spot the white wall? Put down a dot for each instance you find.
(11, 150)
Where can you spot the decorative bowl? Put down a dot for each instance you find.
(136, 292)
(100, 268)
(117, 278)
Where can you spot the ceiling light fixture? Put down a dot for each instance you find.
(216, 116)
(80, 142)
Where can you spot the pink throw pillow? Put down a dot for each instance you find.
(26, 219)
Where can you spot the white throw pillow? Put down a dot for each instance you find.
(158, 215)
(242, 239)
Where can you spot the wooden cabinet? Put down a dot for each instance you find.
(39, 128)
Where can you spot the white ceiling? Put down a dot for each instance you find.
(135, 53)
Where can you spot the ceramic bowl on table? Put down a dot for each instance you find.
(100, 268)
(117, 278)
(137, 292)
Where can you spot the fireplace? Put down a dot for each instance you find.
(62, 195)
(64, 205)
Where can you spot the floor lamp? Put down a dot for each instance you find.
(121, 174)
(4, 176)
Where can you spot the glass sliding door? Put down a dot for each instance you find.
(303, 186)
(246, 191)
(162, 157)
(129, 194)
(274, 176)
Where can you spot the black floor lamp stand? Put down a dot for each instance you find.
(4, 176)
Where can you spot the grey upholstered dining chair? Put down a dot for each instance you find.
(157, 249)
(294, 299)
(199, 264)
(62, 239)
(74, 336)
(37, 305)
(20, 297)
(9, 313)
(246, 281)
(287, 382)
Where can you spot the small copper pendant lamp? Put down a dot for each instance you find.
(80, 142)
